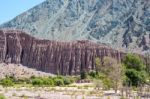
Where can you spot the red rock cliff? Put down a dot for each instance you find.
(51, 56)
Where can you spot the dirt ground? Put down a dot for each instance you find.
(75, 91)
(55, 93)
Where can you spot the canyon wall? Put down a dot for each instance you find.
(66, 58)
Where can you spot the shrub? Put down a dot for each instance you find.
(83, 74)
(2, 96)
(133, 62)
(107, 83)
(98, 84)
(48, 81)
(37, 81)
(58, 82)
(67, 81)
(135, 70)
(93, 74)
(135, 77)
(7, 82)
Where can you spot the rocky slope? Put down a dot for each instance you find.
(123, 24)
(52, 56)
(19, 71)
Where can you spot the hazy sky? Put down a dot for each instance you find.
(11, 8)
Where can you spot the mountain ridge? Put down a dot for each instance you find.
(121, 24)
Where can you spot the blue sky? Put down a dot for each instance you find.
(11, 8)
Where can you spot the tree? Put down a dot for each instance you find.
(147, 58)
(98, 65)
(135, 70)
(132, 61)
(113, 70)
(98, 84)
(135, 77)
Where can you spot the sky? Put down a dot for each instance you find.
(11, 8)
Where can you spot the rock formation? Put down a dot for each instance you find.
(19, 71)
(65, 58)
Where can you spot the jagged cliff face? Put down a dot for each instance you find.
(51, 56)
(122, 24)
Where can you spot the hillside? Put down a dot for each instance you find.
(122, 24)
(19, 71)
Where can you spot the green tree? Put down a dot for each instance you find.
(135, 77)
(147, 58)
(132, 61)
(98, 65)
(135, 70)
(113, 70)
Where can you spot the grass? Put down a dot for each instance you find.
(14, 94)
(80, 87)
(23, 85)
(2, 96)
(23, 96)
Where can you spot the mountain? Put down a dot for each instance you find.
(122, 24)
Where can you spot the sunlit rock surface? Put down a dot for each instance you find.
(19, 71)
(123, 24)
(66, 58)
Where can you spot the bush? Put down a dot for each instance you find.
(135, 70)
(107, 83)
(58, 82)
(98, 84)
(7, 82)
(67, 81)
(83, 74)
(37, 81)
(135, 77)
(2, 96)
(133, 62)
(93, 74)
(48, 81)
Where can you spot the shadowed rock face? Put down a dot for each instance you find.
(51, 56)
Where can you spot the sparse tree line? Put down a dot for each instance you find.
(132, 73)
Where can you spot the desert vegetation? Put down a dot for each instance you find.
(129, 79)
(130, 75)
(37, 81)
